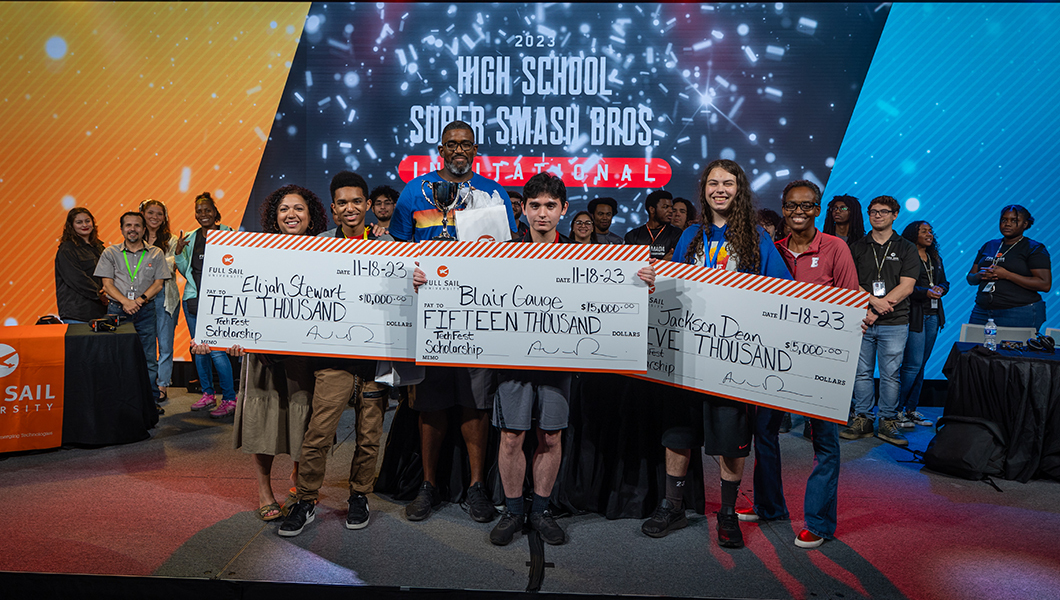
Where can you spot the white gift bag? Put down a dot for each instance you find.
(483, 225)
(398, 373)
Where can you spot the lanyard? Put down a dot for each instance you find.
(879, 262)
(132, 271)
(929, 266)
(656, 235)
(999, 254)
(714, 260)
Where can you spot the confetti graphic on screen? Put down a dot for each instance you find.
(617, 99)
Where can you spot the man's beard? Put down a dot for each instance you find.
(449, 166)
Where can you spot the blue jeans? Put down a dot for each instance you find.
(1030, 315)
(887, 341)
(918, 348)
(819, 506)
(205, 365)
(769, 487)
(165, 326)
(144, 322)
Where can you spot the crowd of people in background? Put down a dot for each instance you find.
(291, 404)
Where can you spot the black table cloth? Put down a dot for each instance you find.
(1018, 391)
(108, 396)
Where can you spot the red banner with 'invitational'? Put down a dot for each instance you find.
(591, 171)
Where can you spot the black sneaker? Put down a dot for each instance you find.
(859, 428)
(357, 515)
(504, 532)
(478, 504)
(785, 423)
(545, 525)
(889, 432)
(729, 534)
(302, 514)
(426, 500)
(918, 418)
(667, 518)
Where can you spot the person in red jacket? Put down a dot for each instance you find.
(814, 257)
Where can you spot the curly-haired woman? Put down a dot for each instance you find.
(926, 317)
(277, 392)
(729, 238)
(77, 291)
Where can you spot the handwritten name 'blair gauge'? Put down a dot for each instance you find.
(560, 307)
(773, 342)
(288, 294)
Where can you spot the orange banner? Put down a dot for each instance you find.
(32, 359)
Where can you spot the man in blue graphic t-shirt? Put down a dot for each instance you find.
(416, 219)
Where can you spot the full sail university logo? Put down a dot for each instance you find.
(8, 360)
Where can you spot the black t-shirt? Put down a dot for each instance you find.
(929, 278)
(659, 241)
(1019, 258)
(888, 263)
(198, 254)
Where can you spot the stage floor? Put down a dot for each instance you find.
(182, 505)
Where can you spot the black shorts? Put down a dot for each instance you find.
(721, 426)
(445, 387)
(526, 397)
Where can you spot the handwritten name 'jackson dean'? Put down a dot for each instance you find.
(726, 341)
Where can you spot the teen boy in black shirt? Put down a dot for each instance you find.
(888, 266)
(657, 233)
(523, 396)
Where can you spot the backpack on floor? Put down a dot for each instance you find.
(967, 447)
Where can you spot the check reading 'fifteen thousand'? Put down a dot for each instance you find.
(533, 306)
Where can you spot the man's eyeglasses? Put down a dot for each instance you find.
(463, 146)
(805, 206)
(882, 212)
(840, 208)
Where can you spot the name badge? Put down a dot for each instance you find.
(934, 303)
(131, 294)
(989, 288)
(879, 289)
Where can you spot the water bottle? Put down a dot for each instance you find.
(990, 330)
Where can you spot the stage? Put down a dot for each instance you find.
(176, 512)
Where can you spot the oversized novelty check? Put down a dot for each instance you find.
(773, 342)
(308, 295)
(566, 307)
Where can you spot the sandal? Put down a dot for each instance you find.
(270, 512)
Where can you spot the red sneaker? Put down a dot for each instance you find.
(806, 539)
(226, 408)
(206, 402)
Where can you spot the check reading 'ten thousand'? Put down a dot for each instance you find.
(308, 295)
(562, 307)
(779, 343)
